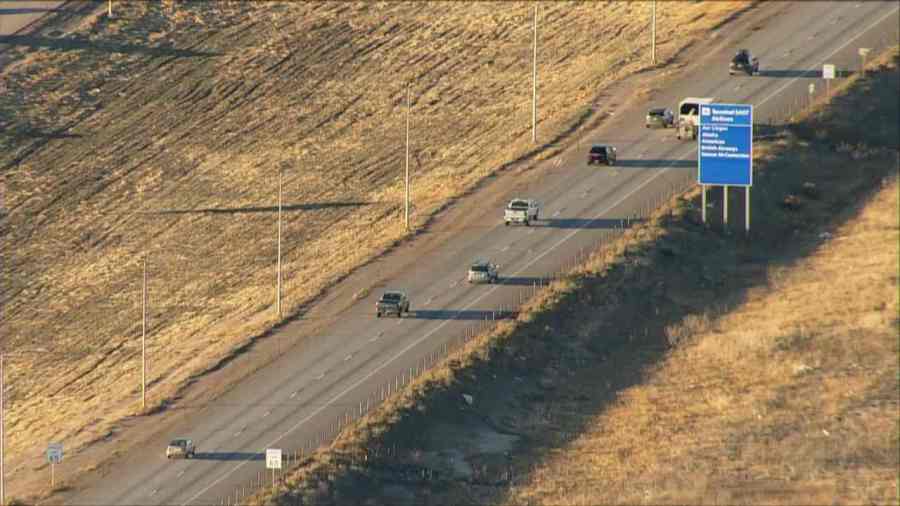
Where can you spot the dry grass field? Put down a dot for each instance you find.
(158, 134)
(691, 367)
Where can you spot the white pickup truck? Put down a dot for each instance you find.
(521, 211)
(689, 116)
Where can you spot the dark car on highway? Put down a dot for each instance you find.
(602, 153)
(743, 62)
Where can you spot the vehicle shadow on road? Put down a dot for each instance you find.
(451, 314)
(264, 209)
(26, 10)
(229, 456)
(522, 281)
(650, 163)
(813, 74)
(587, 223)
(76, 44)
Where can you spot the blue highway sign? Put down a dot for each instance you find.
(725, 145)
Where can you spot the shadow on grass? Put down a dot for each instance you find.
(32, 133)
(266, 209)
(608, 332)
(75, 44)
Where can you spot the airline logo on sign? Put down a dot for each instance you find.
(725, 145)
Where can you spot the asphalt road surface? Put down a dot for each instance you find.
(295, 398)
(18, 14)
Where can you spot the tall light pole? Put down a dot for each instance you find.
(144, 339)
(534, 82)
(408, 106)
(3, 418)
(278, 294)
(653, 33)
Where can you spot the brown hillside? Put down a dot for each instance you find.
(159, 132)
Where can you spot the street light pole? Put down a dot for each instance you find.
(653, 33)
(534, 81)
(2, 434)
(278, 295)
(408, 105)
(144, 339)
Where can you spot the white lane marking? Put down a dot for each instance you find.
(373, 339)
(348, 357)
(829, 55)
(154, 491)
(320, 376)
(180, 473)
(429, 300)
(238, 433)
(267, 413)
(491, 290)
(556, 213)
(505, 248)
(532, 231)
(294, 393)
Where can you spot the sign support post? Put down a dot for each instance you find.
(747, 210)
(54, 456)
(703, 202)
(828, 75)
(863, 51)
(725, 157)
(725, 205)
(273, 461)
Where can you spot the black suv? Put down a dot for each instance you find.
(743, 62)
(602, 153)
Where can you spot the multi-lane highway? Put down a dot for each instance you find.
(296, 397)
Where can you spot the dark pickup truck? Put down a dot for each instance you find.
(743, 62)
(392, 302)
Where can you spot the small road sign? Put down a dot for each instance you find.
(828, 71)
(273, 458)
(54, 453)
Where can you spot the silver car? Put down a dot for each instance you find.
(181, 447)
(660, 117)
